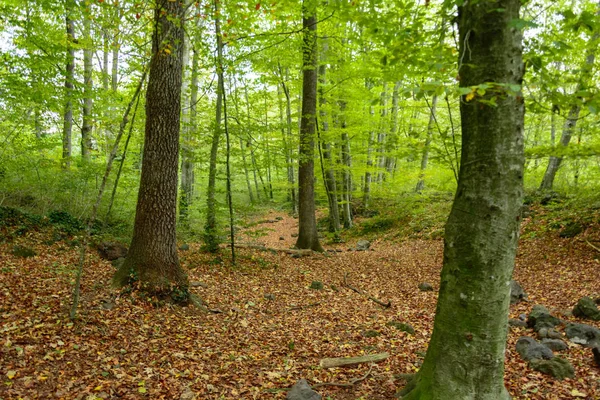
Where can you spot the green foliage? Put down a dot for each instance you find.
(65, 221)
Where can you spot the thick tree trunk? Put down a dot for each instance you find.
(425, 156)
(211, 234)
(307, 222)
(88, 69)
(571, 121)
(69, 77)
(153, 252)
(465, 358)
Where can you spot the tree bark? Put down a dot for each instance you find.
(307, 222)
(465, 358)
(390, 161)
(347, 168)
(425, 156)
(69, 77)
(381, 137)
(88, 102)
(153, 252)
(370, 144)
(188, 116)
(211, 235)
(290, 164)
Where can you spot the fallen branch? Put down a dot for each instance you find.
(350, 361)
(381, 303)
(592, 246)
(348, 384)
(306, 306)
(298, 252)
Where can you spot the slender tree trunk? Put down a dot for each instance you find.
(188, 126)
(268, 147)
(325, 147)
(289, 154)
(465, 358)
(307, 222)
(347, 174)
(393, 138)
(242, 147)
(69, 79)
(250, 144)
(152, 255)
(369, 172)
(88, 69)
(571, 121)
(211, 234)
(381, 137)
(425, 156)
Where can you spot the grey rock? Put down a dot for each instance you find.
(596, 353)
(302, 391)
(270, 296)
(555, 344)
(523, 317)
(184, 247)
(585, 335)
(316, 285)
(425, 287)
(281, 238)
(517, 293)
(530, 349)
(363, 245)
(540, 317)
(554, 334)
(199, 284)
(586, 308)
(556, 367)
(112, 250)
(517, 323)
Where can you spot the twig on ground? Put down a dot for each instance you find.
(302, 307)
(346, 384)
(351, 361)
(592, 246)
(381, 303)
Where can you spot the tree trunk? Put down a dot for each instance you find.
(242, 147)
(211, 234)
(88, 69)
(392, 141)
(69, 77)
(186, 191)
(425, 156)
(571, 121)
(381, 137)
(465, 358)
(347, 174)
(307, 222)
(291, 174)
(370, 144)
(326, 162)
(152, 255)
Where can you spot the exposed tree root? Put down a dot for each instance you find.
(381, 303)
(351, 361)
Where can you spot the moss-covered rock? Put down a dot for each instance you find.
(316, 285)
(556, 367)
(401, 326)
(587, 308)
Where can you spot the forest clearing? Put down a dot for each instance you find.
(271, 328)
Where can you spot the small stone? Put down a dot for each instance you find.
(523, 317)
(555, 344)
(586, 335)
(425, 287)
(540, 317)
(554, 334)
(556, 367)
(294, 235)
(184, 247)
(363, 245)
(187, 394)
(596, 353)
(279, 218)
(112, 250)
(281, 238)
(543, 333)
(586, 308)
(270, 296)
(316, 285)
(530, 349)
(302, 391)
(199, 284)
(517, 293)
(517, 323)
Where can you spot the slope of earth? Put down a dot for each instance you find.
(272, 328)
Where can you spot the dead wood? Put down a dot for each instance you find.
(381, 303)
(296, 252)
(351, 383)
(350, 361)
(303, 307)
(592, 246)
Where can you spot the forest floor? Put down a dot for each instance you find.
(257, 347)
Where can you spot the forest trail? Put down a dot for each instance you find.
(272, 330)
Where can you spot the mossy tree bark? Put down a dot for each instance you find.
(465, 358)
(307, 222)
(153, 251)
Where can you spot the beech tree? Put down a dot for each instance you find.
(307, 222)
(153, 255)
(465, 358)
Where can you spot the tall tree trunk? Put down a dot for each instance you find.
(211, 234)
(347, 171)
(88, 69)
(571, 121)
(382, 135)
(370, 144)
(242, 147)
(425, 156)
(188, 126)
(152, 255)
(267, 146)
(391, 143)
(308, 237)
(465, 358)
(250, 144)
(325, 147)
(69, 77)
(289, 154)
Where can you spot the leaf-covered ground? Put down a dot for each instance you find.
(123, 347)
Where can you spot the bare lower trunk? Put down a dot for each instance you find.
(425, 156)
(465, 358)
(69, 77)
(88, 69)
(347, 174)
